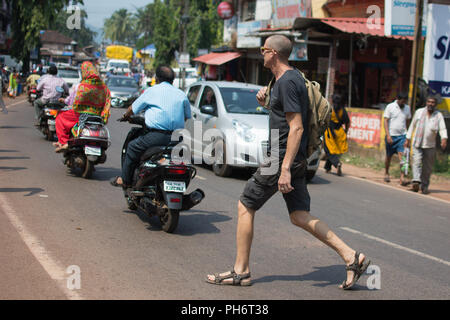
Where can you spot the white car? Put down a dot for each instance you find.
(191, 77)
(228, 113)
(71, 75)
(120, 67)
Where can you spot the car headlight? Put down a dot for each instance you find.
(244, 130)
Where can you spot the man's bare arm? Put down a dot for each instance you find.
(293, 144)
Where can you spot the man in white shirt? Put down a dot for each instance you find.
(397, 116)
(427, 123)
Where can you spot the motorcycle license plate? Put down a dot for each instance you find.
(33, 96)
(92, 150)
(174, 186)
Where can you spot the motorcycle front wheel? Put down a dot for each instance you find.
(169, 220)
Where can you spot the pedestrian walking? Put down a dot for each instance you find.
(289, 104)
(335, 143)
(427, 123)
(13, 85)
(2, 103)
(397, 117)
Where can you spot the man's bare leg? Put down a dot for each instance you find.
(387, 164)
(322, 232)
(244, 238)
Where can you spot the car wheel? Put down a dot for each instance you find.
(221, 169)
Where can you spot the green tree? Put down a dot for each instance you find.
(83, 36)
(166, 30)
(30, 17)
(144, 25)
(121, 28)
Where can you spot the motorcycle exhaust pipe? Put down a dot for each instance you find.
(192, 199)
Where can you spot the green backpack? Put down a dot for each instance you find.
(319, 115)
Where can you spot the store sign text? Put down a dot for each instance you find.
(365, 128)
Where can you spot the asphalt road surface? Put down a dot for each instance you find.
(54, 225)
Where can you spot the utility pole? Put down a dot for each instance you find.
(185, 21)
(415, 55)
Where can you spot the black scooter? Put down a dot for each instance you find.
(159, 182)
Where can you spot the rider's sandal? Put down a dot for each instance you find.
(238, 279)
(358, 269)
(114, 182)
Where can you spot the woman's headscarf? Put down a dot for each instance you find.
(93, 95)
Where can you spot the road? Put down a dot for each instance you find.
(50, 221)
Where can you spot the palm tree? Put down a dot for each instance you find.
(121, 27)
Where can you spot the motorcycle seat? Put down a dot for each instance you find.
(157, 149)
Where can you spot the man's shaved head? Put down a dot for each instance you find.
(281, 44)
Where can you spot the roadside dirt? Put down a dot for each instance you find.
(439, 186)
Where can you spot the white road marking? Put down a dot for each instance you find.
(51, 266)
(418, 253)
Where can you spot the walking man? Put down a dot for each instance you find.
(397, 117)
(427, 122)
(289, 106)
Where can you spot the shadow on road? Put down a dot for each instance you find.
(13, 158)
(13, 168)
(31, 191)
(191, 222)
(319, 180)
(322, 276)
(9, 151)
(12, 127)
(106, 173)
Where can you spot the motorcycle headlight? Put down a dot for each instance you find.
(244, 130)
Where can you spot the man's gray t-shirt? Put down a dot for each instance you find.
(289, 94)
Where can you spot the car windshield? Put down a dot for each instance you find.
(118, 65)
(72, 74)
(241, 100)
(122, 82)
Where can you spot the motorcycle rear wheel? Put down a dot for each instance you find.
(169, 220)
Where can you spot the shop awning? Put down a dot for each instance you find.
(217, 58)
(348, 25)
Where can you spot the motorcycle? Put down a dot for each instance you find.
(88, 148)
(47, 119)
(159, 181)
(33, 94)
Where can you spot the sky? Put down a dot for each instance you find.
(99, 10)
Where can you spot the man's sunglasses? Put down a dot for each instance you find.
(264, 49)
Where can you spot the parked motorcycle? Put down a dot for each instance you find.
(88, 148)
(159, 182)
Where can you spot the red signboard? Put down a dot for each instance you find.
(225, 10)
(365, 128)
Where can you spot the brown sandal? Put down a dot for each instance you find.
(358, 269)
(238, 279)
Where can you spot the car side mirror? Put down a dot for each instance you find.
(208, 109)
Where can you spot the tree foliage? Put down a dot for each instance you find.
(84, 36)
(30, 17)
(120, 28)
(161, 23)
